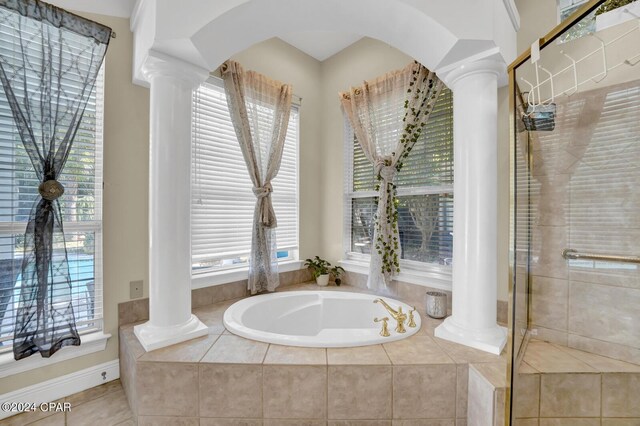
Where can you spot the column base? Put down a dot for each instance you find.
(490, 340)
(152, 337)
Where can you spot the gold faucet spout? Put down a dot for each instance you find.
(392, 311)
(397, 315)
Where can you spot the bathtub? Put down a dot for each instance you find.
(315, 319)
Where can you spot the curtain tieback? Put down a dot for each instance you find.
(263, 191)
(267, 214)
(386, 172)
(51, 189)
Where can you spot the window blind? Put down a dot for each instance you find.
(81, 207)
(424, 187)
(599, 130)
(222, 198)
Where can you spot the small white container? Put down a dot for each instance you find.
(436, 304)
(323, 280)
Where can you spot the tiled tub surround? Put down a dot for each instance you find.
(138, 310)
(558, 385)
(223, 379)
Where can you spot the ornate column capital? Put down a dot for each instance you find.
(158, 64)
(482, 66)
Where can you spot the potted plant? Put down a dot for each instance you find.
(336, 271)
(320, 269)
(613, 12)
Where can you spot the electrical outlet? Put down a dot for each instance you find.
(135, 289)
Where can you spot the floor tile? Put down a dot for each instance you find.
(93, 393)
(107, 410)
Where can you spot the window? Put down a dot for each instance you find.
(424, 188)
(81, 211)
(586, 26)
(222, 198)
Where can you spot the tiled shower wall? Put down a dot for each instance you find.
(584, 196)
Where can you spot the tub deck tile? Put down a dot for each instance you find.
(278, 354)
(189, 351)
(230, 349)
(362, 355)
(416, 350)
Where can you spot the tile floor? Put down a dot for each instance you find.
(105, 405)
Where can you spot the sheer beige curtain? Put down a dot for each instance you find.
(260, 109)
(388, 115)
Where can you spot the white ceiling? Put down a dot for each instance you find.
(320, 45)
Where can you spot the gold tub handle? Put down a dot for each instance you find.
(385, 329)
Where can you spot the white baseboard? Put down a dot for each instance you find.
(63, 386)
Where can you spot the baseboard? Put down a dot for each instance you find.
(63, 386)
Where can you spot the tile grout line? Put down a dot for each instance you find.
(601, 396)
(262, 387)
(326, 396)
(197, 365)
(539, 396)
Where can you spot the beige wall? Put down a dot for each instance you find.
(283, 62)
(365, 59)
(126, 153)
(537, 18)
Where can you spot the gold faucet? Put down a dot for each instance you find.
(385, 330)
(398, 315)
(412, 321)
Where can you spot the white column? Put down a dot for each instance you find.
(170, 319)
(475, 221)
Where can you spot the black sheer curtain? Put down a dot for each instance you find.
(49, 61)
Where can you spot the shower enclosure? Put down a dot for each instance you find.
(575, 223)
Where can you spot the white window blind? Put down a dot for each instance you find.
(81, 212)
(222, 198)
(424, 187)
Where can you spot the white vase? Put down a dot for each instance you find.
(323, 280)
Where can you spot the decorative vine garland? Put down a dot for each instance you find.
(388, 246)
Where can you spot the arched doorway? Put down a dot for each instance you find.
(468, 46)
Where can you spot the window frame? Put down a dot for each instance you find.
(411, 271)
(212, 277)
(93, 339)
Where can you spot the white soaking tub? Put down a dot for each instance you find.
(315, 319)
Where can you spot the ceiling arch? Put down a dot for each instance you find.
(438, 33)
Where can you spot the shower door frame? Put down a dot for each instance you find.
(551, 36)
